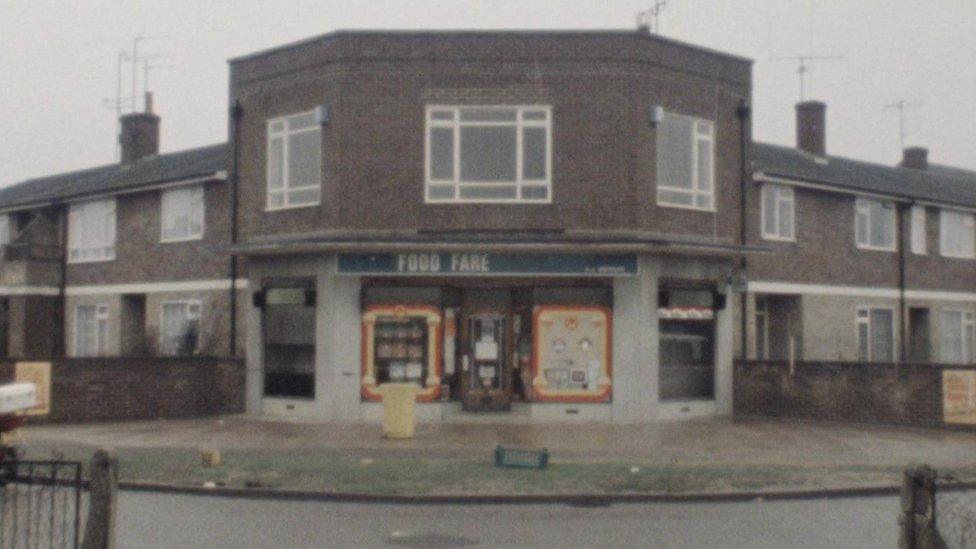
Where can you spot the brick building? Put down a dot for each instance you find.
(557, 225)
(871, 263)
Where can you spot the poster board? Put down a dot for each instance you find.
(571, 354)
(38, 373)
(959, 396)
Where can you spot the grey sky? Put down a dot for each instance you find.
(58, 63)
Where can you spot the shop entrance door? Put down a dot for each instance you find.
(486, 371)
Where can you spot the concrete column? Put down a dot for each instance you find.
(635, 345)
(338, 340)
(724, 353)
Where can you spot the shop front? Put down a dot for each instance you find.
(523, 337)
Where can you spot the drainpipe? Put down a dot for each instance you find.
(236, 112)
(743, 112)
(902, 324)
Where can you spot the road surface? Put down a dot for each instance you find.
(159, 520)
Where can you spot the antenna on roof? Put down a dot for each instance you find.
(901, 106)
(804, 66)
(650, 20)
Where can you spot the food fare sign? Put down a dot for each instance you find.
(487, 264)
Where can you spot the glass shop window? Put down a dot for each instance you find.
(400, 348)
(687, 344)
(288, 313)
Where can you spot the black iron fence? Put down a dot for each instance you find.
(40, 504)
(955, 509)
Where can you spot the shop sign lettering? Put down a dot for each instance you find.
(477, 263)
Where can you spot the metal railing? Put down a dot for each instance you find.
(40, 504)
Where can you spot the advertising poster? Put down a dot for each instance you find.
(959, 396)
(38, 373)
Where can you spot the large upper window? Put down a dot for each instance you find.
(874, 224)
(875, 334)
(919, 234)
(777, 212)
(182, 214)
(957, 234)
(294, 161)
(686, 162)
(489, 154)
(958, 337)
(91, 330)
(179, 334)
(91, 231)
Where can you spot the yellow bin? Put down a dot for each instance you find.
(398, 405)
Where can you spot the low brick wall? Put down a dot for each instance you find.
(118, 389)
(905, 394)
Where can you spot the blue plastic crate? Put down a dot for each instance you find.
(524, 459)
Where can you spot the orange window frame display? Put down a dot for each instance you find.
(571, 346)
(432, 383)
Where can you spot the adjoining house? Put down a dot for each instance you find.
(871, 263)
(554, 226)
(119, 260)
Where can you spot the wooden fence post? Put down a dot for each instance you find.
(917, 520)
(102, 499)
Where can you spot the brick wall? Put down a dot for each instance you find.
(117, 389)
(907, 394)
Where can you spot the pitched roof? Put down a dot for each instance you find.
(933, 185)
(162, 168)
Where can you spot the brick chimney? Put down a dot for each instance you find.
(916, 158)
(811, 127)
(140, 134)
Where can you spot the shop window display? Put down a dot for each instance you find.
(572, 354)
(401, 344)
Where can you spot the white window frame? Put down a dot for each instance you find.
(189, 304)
(5, 232)
(456, 124)
(101, 344)
(862, 206)
(91, 254)
(166, 210)
(783, 196)
(694, 191)
(284, 135)
(866, 319)
(967, 224)
(919, 231)
(967, 324)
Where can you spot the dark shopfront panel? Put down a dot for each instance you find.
(477, 338)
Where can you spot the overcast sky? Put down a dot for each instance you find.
(58, 63)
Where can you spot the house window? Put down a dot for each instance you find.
(489, 154)
(91, 330)
(4, 230)
(918, 230)
(777, 212)
(875, 334)
(182, 214)
(874, 223)
(91, 231)
(179, 333)
(294, 161)
(958, 337)
(685, 162)
(957, 235)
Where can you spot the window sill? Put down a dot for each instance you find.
(774, 238)
(951, 256)
(178, 240)
(686, 207)
(876, 249)
(291, 207)
(469, 201)
(83, 261)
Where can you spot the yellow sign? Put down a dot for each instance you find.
(38, 373)
(959, 396)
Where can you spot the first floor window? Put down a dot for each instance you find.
(957, 336)
(91, 330)
(777, 212)
(919, 236)
(182, 214)
(91, 231)
(489, 154)
(294, 161)
(874, 224)
(875, 334)
(957, 234)
(686, 162)
(180, 330)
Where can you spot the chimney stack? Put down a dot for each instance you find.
(811, 127)
(140, 134)
(916, 158)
